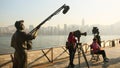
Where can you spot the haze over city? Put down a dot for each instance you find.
(87, 35)
(103, 12)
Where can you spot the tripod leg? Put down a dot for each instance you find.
(84, 57)
(79, 56)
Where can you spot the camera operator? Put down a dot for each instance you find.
(71, 46)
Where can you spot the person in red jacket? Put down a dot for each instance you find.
(97, 49)
(71, 48)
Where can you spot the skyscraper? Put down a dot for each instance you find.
(65, 29)
(83, 22)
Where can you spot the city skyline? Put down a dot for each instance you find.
(103, 12)
(57, 30)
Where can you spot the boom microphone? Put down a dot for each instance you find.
(66, 8)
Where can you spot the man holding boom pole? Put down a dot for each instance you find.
(20, 43)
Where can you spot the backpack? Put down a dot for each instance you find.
(67, 45)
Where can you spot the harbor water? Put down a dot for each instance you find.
(48, 41)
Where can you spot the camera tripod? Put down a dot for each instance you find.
(80, 48)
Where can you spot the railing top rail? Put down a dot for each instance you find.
(33, 50)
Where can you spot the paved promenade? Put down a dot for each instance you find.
(113, 53)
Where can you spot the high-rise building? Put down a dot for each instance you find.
(65, 29)
(82, 28)
(83, 22)
(58, 29)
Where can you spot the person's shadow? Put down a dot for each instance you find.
(111, 62)
(99, 63)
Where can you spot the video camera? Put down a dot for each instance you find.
(78, 34)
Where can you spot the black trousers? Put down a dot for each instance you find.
(101, 52)
(71, 55)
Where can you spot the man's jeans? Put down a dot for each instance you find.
(71, 55)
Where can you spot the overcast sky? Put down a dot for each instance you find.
(103, 12)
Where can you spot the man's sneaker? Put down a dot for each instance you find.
(71, 66)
